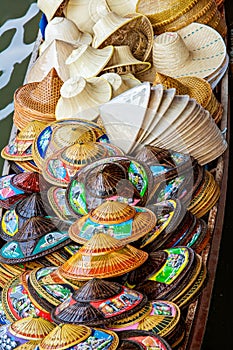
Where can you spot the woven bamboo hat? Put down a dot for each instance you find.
(53, 56)
(81, 97)
(27, 181)
(66, 30)
(49, 8)
(123, 62)
(117, 219)
(87, 62)
(135, 31)
(86, 13)
(195, 50)
(197, 88)
(107, 257)
(37, 101)
(97, 302)
(31, 328)
(120, 83)
(29, 345)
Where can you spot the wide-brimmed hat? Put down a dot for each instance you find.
(54, 56)
(86, 13)
(81, 97)
(123, 62)
(135, 31)
(195, 50)
(121, 83)
(50, 7)
(66, 30)
(87, 62)
(121, 7)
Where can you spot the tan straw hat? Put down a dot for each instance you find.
(81, 97)
(195, 50)
(50, 7)
(64, 29)
(87, 62)
(123, 62)
(135, 31)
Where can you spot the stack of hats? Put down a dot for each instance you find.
(195, 50)
(119, 178)
(37, 100)
(171, 16)
(195, 87)
(176, 274)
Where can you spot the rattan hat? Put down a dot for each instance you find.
(66, 30)
(195, 87)
(123, 62)
(81, 97)
(37, 101)
(107, 257)
(117, 219)
(53, 56)
(88, 62)
(49, 8)
(195, 50)
(135, 31)
(97, 302)
(85, 15)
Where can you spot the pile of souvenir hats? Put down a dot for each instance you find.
(104, 213)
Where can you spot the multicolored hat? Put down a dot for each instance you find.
(104, 257)
(119, 220)
(116, 178)
(27, 182)
(7, 189)
(72, 336)
(97, 302)
(57, 200)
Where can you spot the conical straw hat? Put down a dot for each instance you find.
(87, 62)
(85, 13)
(49, 7)
(29, 345)
(66, 30)
(65, 336)
(27, 181)
(123, 62)
(54, 56)
(135, 31)
(121, 7)
(104, 256)
(37, 101)
(81, 97)
(31, 328)
(195, 50)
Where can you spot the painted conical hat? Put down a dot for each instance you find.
(27, 181)
(65, 336)
(117, 219)
(29, 345)
(34, 328)
(31, 206)
(87, 303)
(106, 257)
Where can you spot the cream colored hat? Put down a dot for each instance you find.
(54, 56)
(195, 50)
(120, 83)
(81, 98)
(135, 31)
(87, 62)
(64, 29)
(50, 7)
(123, 62)
(85, 13)
(122, 7)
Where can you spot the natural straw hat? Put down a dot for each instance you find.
(87, 62)
(64, 29)
(123, 62)
(135, 31)
(121, 7)
(120, 83)
(196, 49)
(50, 7)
